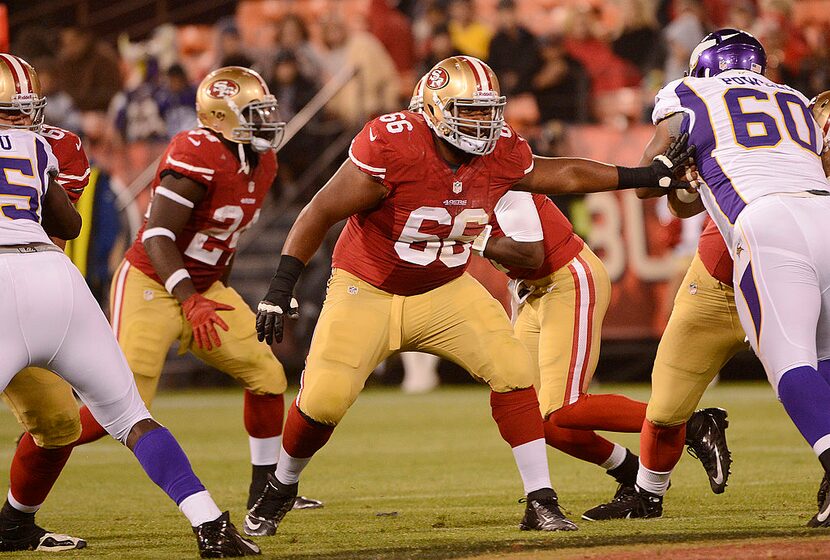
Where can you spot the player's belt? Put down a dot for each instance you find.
(29, 248)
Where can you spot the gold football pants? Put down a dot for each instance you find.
(560, 323)
(702, 334)
(361, 325)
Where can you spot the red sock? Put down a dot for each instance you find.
(613, 413)
(582, 444)
(34, 471)
(517, 415)
(263, 415)
(303, 436)
(91, 430)
(661, 448)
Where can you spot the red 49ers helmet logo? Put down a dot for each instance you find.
(223, 88)
(438, 78)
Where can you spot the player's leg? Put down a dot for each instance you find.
(146, 321)
(255, 367)
(353, 335)
(780, 274)
(569, 308)
(702, 334)
(461, 321)
(102, 378)
(18, 530)
(46, 409)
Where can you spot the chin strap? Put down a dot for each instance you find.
(244, 166)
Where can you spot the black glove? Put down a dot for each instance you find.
(661, 173)
(677, 156)
(279, 302)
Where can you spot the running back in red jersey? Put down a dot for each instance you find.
(234, 195)
(73, 174)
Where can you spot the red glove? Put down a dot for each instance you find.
(200, 312)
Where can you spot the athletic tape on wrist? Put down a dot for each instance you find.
(174, 279)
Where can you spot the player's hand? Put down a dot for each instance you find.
(202, 315)
(677, 158)
(270, 315)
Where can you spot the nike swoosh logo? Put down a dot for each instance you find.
(372, 135)
(822, 515)
(195, 142)
(251, 525)
(718, 479)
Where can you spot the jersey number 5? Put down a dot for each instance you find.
(431, 244)
(762, 129)
(19, 196)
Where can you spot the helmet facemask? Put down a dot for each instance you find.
(474, 136)
(259, 124)
(28, 104)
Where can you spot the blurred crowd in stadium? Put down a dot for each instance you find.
(562, 63)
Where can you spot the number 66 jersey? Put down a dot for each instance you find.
(231, 204)
(753, 138)
(419, 236)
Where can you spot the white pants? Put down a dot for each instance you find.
(48, 318)
(782, 280)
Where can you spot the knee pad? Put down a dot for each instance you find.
(58, 430)
(327, 402)
(119, 417)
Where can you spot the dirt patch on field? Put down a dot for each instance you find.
(768, 549)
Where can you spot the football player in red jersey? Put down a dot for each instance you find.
(417, 189)
(209, 188)
(44, 403)
(563, 290)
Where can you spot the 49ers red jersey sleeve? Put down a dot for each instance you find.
(73, 165)
(190, 154)
(514, 157)
(390, 147)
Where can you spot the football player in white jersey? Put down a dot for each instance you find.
(51, 320)
(758, 153)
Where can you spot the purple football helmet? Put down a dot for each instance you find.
(727, 49)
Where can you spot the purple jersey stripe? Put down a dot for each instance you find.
(751, 296)
(703, 138)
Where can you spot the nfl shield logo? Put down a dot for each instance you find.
(456, 187)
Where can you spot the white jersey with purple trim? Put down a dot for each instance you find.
(27, 162)
(753, 138)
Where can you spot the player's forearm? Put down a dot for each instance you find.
(685, 209)
(508, 252)
(570, 176)
(167, 260)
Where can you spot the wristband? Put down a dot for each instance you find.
(685, 196)
(480, 242)
(288, 272)
(174, 279)
(632, 177)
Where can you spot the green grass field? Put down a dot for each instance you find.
(429, 477)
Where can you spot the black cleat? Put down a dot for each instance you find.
(822, 518)
(823, 490)
(270, 508)
(628, 502)
(220, 539)
(301, 502)
(622, 500)
(706, 441)
(543, 514)
(29, 536)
